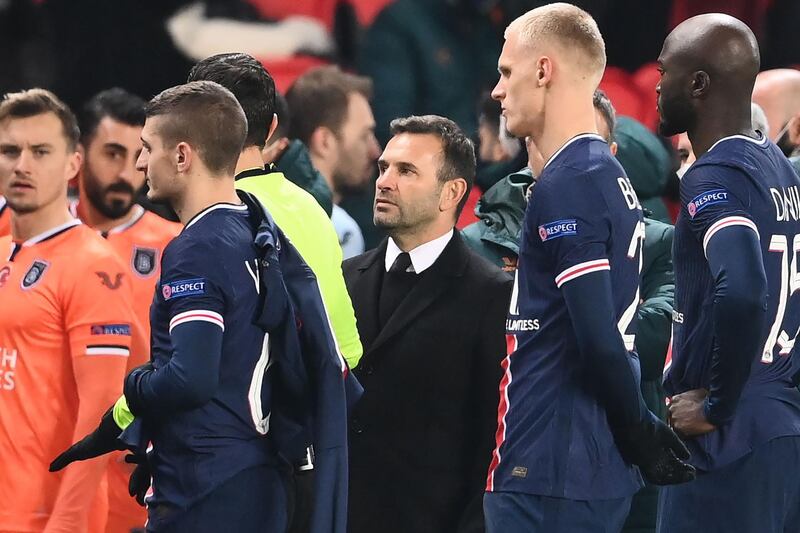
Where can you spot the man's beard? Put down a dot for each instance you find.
(116, 208)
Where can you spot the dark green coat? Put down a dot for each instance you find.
(430, 57)
(496, 236)
(295, 163)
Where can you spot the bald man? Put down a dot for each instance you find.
(778, 92)
(737, 309)
(572, 422)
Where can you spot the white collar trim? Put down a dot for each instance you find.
(572, 140)
(207, 210)
(760, 142)
(422, 257)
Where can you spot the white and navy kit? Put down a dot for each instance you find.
(742, 182)
(207, 418)
(553, 436)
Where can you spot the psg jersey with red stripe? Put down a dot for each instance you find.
(209, 274)
(553, 437)
(748, 183)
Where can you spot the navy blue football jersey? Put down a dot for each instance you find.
(739, 182)
(209, 273)
(553, 436)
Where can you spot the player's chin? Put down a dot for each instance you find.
(384, 220)
(668, 129)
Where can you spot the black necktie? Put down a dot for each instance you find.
(401, 263)
(397, 283)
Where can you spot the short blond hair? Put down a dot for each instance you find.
(569, 27)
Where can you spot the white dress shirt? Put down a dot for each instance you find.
(422, 257)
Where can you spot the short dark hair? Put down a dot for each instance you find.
(117, 104)
(33, 102)
(207, 116)
(602, 103)
(458, 159)
(250, 83)
(320, 97)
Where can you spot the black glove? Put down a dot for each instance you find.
(656, 450)
(140, 480)
(101, 441)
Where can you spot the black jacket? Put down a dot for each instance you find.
(422, 434)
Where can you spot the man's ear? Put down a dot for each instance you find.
(613, 147)
(452, 193)
(74, 164)
(701, 82)
(794, 130)
(183, 157)
(272, 127)
(322, 142)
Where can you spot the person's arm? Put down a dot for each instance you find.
(486, 374)
(575, 232)
(717, 206)
(601, 349)
(190, 378)
(98, 321)
(740, 293)
(192, 289)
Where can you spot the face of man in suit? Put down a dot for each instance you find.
(410, 199)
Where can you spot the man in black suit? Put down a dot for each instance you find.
(431, 315)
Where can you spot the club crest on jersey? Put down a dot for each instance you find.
(184, 287)
(144, 260)
(703, 200)
(34, 273)
(559, 228)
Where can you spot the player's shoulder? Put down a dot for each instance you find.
(88, 253)
(217, 234)
(85, 245)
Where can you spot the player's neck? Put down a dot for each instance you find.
(249, 159)
(716, 124)
(203, 194)
(562, 124)
(25, 226)
(95, 219)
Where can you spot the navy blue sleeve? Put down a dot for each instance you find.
(190, 378)
(602, 350)
(192, 290)
(715, 198)
(739, 312)
(574, 226)
(717, 202)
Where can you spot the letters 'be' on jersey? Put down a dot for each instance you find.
(744, 182)
(553, 437)
(209, 274)
(65, 336)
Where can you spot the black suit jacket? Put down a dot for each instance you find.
(422, 434)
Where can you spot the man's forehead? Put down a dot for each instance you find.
(44, 128)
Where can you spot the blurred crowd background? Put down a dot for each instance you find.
(422, 56)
